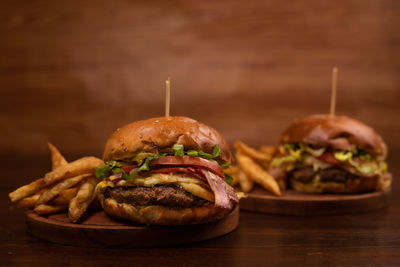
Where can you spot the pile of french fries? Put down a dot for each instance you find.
(69, 186)
(252, 168)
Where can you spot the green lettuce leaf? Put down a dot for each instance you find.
(192, 153)
(179, 150)
(228, 179)
(225, 165)
(113, 167)
(216, 151)
(103, 172)
(205, 155)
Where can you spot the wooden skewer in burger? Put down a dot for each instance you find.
(166, 171)
(332, 154)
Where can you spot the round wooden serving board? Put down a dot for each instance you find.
(294, 203)
(99, 230)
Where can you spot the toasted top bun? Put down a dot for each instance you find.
(158, 135)
(337, 132)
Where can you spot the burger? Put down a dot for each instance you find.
(332, 154)
(166, 171)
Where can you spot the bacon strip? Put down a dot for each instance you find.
(329, 158)
(189, 161)
(220, 189)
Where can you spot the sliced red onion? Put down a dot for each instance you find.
(118, 175)
(116, 180)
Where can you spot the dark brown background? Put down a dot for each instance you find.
(73, 71)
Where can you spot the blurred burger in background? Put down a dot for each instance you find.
(166, 171)
(332, 154)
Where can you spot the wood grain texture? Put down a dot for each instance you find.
(71, 73)
(295, 203)
(99, 230)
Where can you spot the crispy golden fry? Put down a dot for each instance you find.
(69, 193)
(79, 166)
(257, 174)
(269, 150)
(235, 180)
(257, 155)
(29, 202)
(233, 172)
(51, 193)
(57, 159)
(27, 190)
(82, 200)
(49, 209)
(241, 195)
(65, 197)
(245, 182)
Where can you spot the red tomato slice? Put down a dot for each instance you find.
(127, 169)
(189, 161)
(330, 158)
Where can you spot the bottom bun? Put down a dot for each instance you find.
(161, 215)
(358, 185)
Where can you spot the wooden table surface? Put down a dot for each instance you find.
(367, 239)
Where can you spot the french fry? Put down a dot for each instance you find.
(44, 209)
(245, 182)
(235, 180)
(51, 193)
(27, 190)
(251, 152)
(82, 200)
(257, 174)
(57, 159)
(79, 166)
(29, 202)
(232, 170)
(57, 190)
(65, 197)
(69, 193)
(241, 195)
(269, 150)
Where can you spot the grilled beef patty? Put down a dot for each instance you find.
(164, 195)
(334, 174)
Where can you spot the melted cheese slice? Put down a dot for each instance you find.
(192, 185)
(198, 191)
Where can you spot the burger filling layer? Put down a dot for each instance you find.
(333, 174)
(185, 179)
(164, 195)
(311, 165)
